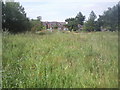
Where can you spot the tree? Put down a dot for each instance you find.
(14, 17)
(90, 24)
(92, 16)
(73, 22)
(109, 20)
(80, 18)
(36, 25)
(39, 18)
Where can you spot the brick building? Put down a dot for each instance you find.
(52, 25)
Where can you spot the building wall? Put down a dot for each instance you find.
(51, 25)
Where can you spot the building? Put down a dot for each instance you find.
(53, 25)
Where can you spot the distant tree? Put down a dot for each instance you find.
(36, 25)
(97, 26)
(80, 18)
(110, 18)
(73, 22)
(39, 18)
(14, 17)
(92, 16)
(90, 24)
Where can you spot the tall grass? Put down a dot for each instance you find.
(60, 60)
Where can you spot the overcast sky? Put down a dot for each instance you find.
(59, 10)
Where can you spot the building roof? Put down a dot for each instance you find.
(54, 23)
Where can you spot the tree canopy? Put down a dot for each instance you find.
(73, 22)
(14, 17)
(109, 19)
(36, 24)
(80, 18)
(90, 24)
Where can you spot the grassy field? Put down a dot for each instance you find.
(60, 60)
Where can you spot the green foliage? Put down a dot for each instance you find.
(36, 25)
(59, 61)
(14, 17)
(39, 18)
(90, 24)
(55, 27)
(73, 22)
(92, 16)
(80, 18)
(110, 18)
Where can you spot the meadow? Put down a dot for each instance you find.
(60, 60)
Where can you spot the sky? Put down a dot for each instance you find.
(59, 10)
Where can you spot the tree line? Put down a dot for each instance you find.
(108, 21)
(14, 20)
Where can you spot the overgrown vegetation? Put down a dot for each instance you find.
(59, 59)
(36, 25)
(87, 60)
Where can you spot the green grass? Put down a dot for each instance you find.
(60, 60)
